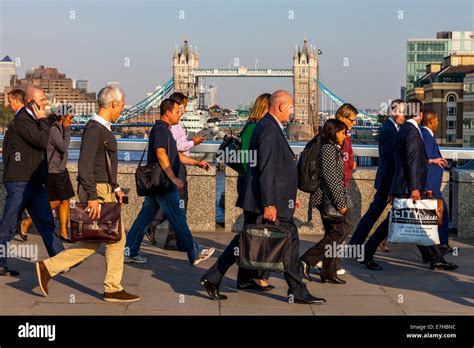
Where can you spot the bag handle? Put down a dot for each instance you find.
(260, 221)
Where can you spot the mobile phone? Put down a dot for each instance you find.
(31, 103)
(125, 199)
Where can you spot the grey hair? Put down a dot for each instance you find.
(108, 94)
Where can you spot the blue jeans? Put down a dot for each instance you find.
(23, 195)
(176, 215)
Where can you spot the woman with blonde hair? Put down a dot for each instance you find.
(251, 279)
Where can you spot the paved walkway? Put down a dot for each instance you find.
(169, 286)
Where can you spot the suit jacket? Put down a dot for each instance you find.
(386, 168)
(274, 179)
(435, 172)
(24, 149)
(411, 162)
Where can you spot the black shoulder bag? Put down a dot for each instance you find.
(151, 179)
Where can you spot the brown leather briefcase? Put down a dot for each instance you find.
(106, 229)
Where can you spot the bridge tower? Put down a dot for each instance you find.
(184, 64)
(305, 71)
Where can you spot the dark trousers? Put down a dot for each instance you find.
(369, 219)
(293, 277)
(34, 198)
(428, 253)
(334, 232)
(171, 238)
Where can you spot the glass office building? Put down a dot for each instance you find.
(421, 52)
(468, 111)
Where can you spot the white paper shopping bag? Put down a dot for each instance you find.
(414, 223)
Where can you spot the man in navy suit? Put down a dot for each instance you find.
(385, 170)
(409, 181)
(270, 189)
(436, 165)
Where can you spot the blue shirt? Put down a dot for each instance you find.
(161, 137)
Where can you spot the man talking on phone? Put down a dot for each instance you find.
(26, 171)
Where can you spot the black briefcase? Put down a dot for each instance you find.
(264, 247)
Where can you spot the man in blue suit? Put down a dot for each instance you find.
(409, 181)
(385, 170)
(436, 165)
(270, 189)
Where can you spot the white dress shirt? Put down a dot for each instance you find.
(397, 127)
(101, 120)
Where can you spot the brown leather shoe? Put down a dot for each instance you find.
(120, 296)
(43, 277)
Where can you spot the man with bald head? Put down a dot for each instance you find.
(25, 173)
(269, 189)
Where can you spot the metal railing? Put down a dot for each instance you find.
(452, 153)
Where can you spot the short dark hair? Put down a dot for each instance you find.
(413, 108)
(167, 105)
(428, 115)
(330, 128)
(395, 103)
(178, 97)
(17, 94)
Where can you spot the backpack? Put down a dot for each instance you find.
(308, 169)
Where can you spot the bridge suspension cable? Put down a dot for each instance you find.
(336, 100)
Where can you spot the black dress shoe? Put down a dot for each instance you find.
(335, 280)
(4, 271)
(443, 265)
(309, 299)
(212, 290)
(306, 270)
(371, 264)
(446, 248)
(253, 285)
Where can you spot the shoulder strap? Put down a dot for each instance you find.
(51, 157)
(54, 149)
(143, 155)
(109, 165)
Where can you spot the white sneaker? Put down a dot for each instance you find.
(136, 259)
(341, 271)
(204, 255)
(319, 264)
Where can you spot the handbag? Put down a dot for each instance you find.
(231, 147)
(330, 213)
(107, 228)
(265, 247)
(104, 229)
(151, 179)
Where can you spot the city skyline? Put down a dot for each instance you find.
(366, 47)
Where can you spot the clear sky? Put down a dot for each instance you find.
(95, 43)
